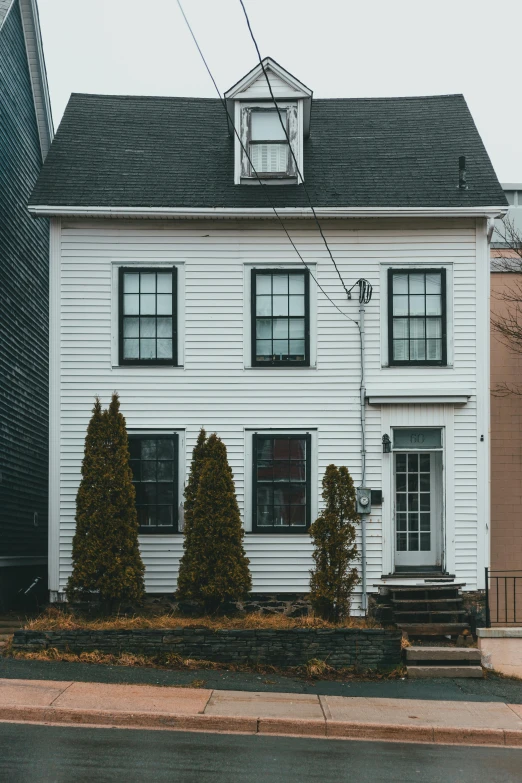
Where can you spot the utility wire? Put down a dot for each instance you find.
(260, 181)
(290, 145)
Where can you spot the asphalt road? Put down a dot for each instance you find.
(492, 688)
(61, 755)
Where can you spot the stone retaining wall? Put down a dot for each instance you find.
(368, 648)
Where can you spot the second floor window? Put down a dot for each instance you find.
(147, 318)
(417, 317)
(280, 317)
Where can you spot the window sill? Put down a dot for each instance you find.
(278, 532)
(274, 179)
(417, 366)
(148, 366)
(279, 367)
(166, 532)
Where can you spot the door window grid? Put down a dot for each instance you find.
(153, 461)
(417, 316)
(281, 483)
(147, 316)
(413, 502)
(280, 318)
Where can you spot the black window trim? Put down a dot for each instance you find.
(149, 362)
(281, 271)
(443, 361)
(164, 530)
(279, 530)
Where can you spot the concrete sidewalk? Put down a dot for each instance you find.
(191, 709)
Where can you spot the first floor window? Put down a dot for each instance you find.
(280, 317)
(154, 463)
(281, 483)
(147, 318)
(417, 316)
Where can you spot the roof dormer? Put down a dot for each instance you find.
(272, 138)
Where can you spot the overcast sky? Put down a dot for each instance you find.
(338, 48)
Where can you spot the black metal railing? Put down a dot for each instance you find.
(503, 597)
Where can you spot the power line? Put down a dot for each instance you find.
(260, 181)
(290, 145)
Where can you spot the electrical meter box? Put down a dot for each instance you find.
(364, 500)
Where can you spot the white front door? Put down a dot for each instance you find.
(418, 508)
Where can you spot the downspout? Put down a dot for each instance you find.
(364, 598)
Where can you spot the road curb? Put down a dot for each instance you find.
(326, 729)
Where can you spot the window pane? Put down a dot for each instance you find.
(297, 449)
(400, 350)
(147, 327)
(401, 521)
(433, 327)
(263, 284)
(264, 470)
(417, 327)
(413, 462)
(280, 305)
(148, 304)
(131, 349)
(297, 349)
(165, 493)
(413, 542)
(165, 515)
(417, 305)
(264, 328)
(425, 482)
(164, 327)
(297, 328)
(148, 471)
(164, 304)
(298, 515)
(165, 448)
(400, 482)
(400, 462)
(401, 542)
(147, 283)
(425, 462)
(413, 522)
(147, 349)
(400, 328)
(417, 283)
(433, 305)
(164, 283)
(400, 284)
(131, 283)
(148, 449)
(131, 304)
(265, 448)
(281, 348)
(297, 284)
(424, 501)
(401, 502)
(265, 495)
(266, 125)
(417, 350)
(433, 283)
(263, 305)
(413, 502)
(164, 349)
(130, 327)
(413, 482)
(297, 305)
(281, 449)
(434, 350)
(400, 305)
(424, 521)
(263, 349)
(280, 328)
(280, 284)
(425, 543)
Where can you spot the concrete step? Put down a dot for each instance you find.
(425, 672)
(433, 629)
(435, 654)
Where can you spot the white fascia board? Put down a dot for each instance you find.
(41, 210)
(38, 73)
(443, 398)
(269, 64)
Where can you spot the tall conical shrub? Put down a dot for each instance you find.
(191, 491)
(217, 571)
(106, 557)
(333, 578)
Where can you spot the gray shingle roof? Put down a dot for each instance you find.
(176, 152)
(4, 8)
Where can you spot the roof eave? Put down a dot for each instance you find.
(42, 210)
(38, 74)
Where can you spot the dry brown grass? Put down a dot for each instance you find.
(54, 619)
(315, 669)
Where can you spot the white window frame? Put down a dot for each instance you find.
(412, 266)
(248, 467)
(294, 110)
(154, 264)
(247, 320)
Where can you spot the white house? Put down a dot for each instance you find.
(174, 283)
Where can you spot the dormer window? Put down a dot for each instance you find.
(269, 151)
(265, 148)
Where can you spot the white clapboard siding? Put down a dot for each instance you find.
(216, 389)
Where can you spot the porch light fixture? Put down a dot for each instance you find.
(386, 444)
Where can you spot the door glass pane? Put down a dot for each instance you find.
(412, 528)
(422, 438)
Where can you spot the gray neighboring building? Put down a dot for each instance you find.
(26, 133)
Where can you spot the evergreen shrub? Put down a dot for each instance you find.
(334, 578)
(106, 558)
(215, 568)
